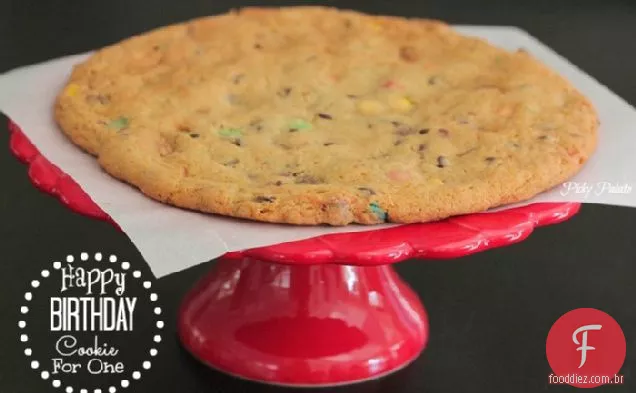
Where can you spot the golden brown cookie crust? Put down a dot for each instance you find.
(311, 115)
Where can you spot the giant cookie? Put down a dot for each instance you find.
(309, 115)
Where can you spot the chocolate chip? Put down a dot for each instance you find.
(308, 179)
(278, 183)
(284, 146)
(442, 162)
(467, 152)
(443, 132)
(258, 46)
(366, 190)
(325, 116)
(421, 147)
(284, 92)
(183, 128)
(543, 137)
(102, 99)
(408, 54)
(233, 99)
(404, 131)
(264, 199)
(287, 174)
(328, 144)
(490, 159)
(293, 129)
(237, 78)
(256, 124)
(236, 142)
(194, 136)
(423, 131)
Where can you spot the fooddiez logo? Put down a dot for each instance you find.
(599, 188)
(585, 349)
(79, 318)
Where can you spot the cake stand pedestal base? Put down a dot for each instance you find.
(302, 325)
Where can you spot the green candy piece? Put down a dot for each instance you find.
(230, 132)
(119, 124)
(299, 124)
(378, 211)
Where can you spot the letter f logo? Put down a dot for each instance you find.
(584, 347)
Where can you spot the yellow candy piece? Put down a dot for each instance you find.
(376, 26)
(370, 107)
(72, 89)
(400, 104)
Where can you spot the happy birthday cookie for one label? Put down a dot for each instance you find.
(309, 115)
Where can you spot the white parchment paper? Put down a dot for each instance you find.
(171, 239)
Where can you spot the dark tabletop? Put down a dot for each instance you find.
(490, 313)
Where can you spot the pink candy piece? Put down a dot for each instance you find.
(391, 84)
(398, 175)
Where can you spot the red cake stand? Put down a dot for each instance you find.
(325, 311)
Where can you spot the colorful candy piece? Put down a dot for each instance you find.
(390, 84)
(230, 132)
(119, 124)
(72, 89)
(400, 104)
(370, 107)
(378, 211)
(299, 124)
(398, 175)
(377, 26)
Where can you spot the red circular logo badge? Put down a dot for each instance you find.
(586, 349)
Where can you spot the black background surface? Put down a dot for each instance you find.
(490, 313)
